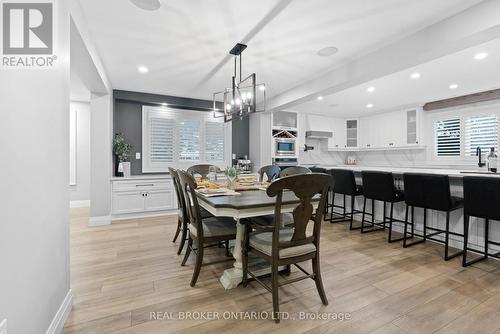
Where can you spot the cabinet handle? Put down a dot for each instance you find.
(145, 185)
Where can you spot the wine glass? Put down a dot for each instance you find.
(231, 174)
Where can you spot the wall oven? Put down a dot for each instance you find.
(284, 147)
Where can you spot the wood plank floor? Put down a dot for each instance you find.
(121, 273)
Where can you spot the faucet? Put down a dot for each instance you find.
(478, 153)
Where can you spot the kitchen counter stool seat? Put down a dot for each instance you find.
(481, 199)
(345, 184)
(379, 186)
(430, 192)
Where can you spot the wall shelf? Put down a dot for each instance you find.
(369, 149)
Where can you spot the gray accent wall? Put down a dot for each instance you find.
(127, 119)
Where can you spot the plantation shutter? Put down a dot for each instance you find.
(214, 141)
(189, 140)
(162, 139)
(447, 137)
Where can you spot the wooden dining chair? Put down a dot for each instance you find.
(181, 211)
(294, 170)
(203, 233)
(203, 170)
(290, 245)
(270, 171)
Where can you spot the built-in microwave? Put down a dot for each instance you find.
(284, 147)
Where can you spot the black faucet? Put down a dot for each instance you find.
(478, 153)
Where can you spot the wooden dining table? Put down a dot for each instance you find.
(248, 204)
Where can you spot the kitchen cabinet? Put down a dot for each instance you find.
(145, 195)
(338, 139)
(413, 120)
(351, 138)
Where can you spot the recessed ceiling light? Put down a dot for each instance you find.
(328, 51)
(320, 98)
(370, 89)
(143, 69)
(453, 86)
(415, 75)
(480, 56)
(147, 4)
(369, 105)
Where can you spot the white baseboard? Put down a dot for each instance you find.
(144, 215)
(79, 204)
(99, 221)
(62, 314)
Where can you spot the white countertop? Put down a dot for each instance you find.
(458, 173)
(141, 177)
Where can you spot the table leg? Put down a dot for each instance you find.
(232, 277)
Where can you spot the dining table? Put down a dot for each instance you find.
(245, 204)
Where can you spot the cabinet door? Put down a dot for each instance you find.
(351, 133)
(411, 127)
(128, 202)
(338, 138)
(159, 200)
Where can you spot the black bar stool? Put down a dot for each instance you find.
(345, 184)
(430, 192)
(481, 197)
(379, 186)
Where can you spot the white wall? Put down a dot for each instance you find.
(34, 196)
(81, 190)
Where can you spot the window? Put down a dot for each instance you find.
(214, 141)
(480, 131)
(447, 137)
(181, 138)
(162, 139)
(189, 140)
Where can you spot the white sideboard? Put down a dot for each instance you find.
(142, 196)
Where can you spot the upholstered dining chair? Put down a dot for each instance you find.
(203, 233)
(290, 245)
(294, 170)
(270, 171)
(203, 170)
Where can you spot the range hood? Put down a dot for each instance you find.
(319, 134)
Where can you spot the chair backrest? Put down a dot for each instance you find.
(295, 170)
(271, 172)
(305, 187)
(203, 170)
(188, 186)
(481, 197)
(429, 191)
(345, 182)
(181, 206)
(378, 186)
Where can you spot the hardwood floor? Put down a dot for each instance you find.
(123, 272)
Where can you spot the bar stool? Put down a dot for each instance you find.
(345, 184)
(481, 197)
(379, 186)
(327, 195)
(430, 192)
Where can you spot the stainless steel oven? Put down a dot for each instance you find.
(284, 147)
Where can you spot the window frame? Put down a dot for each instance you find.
(179, 115)
(461, 113)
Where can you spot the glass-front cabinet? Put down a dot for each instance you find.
(351, 133)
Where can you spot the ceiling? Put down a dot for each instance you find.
(185, 43)
(400, 89)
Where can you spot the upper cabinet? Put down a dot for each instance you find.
(352, 138)
(285, 120)
(413, 127)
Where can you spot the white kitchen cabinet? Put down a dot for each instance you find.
(337, 141)
(351, 137)
(318, 123)
(412, 127)
(143, 195)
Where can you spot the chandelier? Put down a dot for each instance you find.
(244, 97)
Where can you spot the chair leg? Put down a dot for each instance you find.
(344, 207)
(275, 287)
(413, 221)
(466, 240)
(390, 222)
(406, 227)
(333, 203)
(325, 213)
(179, 225)
(373, 213)
(199, 261)
(318, 280)
(385, 214)
(448, 257)
(425, 224)
(352, 212)
(188, 251)
(486, 236)
(183, 238)
(363, 216)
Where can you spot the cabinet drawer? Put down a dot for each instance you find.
(127, 202)
(142, 185)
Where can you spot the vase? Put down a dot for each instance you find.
(118, 169)
(126, 168)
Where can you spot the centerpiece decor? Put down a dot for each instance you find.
(121, 151)
(232, 174)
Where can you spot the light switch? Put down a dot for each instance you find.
(3, 327)
(138, 155)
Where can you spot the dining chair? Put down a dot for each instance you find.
(203, 233)
(290, 245)
(294, 170)
(270, 171)
(203, 170)
(181, 211)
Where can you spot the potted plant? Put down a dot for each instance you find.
(121, 150)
